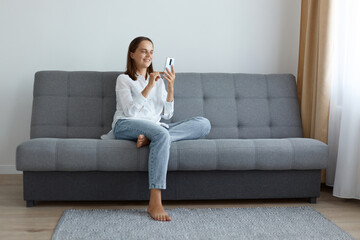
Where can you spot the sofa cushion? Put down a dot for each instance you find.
(55, 154)
(82, 104)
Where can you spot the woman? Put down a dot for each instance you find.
(141, 101)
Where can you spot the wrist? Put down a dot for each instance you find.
(149, 87)
(146, 91)
(170, 96)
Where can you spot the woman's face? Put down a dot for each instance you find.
(143, 54)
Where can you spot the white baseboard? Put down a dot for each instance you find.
(9, 169)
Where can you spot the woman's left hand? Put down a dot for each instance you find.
(170, 78)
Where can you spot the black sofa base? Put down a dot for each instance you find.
(181, 185)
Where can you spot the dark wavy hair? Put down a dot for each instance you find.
(130, 64)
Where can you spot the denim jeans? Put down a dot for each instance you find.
(160, 141)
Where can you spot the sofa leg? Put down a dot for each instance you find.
(30, 203)
(312, 200)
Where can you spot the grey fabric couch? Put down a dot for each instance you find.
(255, 149)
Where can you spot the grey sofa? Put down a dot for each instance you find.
(255, 149)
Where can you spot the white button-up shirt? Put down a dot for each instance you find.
(131, 104)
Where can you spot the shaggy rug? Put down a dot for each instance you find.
(202, 223)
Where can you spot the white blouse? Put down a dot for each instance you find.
(131, 104)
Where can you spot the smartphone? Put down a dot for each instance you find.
(169, 61)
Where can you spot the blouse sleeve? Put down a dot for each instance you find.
(130, 106)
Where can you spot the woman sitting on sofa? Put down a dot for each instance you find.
(141, 101)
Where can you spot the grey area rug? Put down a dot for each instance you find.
(204, 223)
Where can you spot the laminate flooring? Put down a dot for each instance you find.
(19, 222)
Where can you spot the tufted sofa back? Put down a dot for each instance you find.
(82, 104)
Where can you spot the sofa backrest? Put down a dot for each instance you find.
(82, 104)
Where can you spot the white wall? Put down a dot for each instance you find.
(240, 36)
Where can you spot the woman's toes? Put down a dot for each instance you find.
(142, 141)
(159, 214)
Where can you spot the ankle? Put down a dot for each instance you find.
(155, 197)
(155, 202)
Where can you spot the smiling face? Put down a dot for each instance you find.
(143, 55)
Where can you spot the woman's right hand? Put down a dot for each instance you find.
(152, 81)
(154, 76)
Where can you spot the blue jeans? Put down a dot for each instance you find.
(160, 141)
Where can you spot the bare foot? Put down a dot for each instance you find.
(158, 213)
(142, 141)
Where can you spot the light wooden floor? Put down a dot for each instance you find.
(18, 222)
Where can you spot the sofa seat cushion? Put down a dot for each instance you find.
(55, 154)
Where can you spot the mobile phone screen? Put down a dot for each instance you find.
(169, 61)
